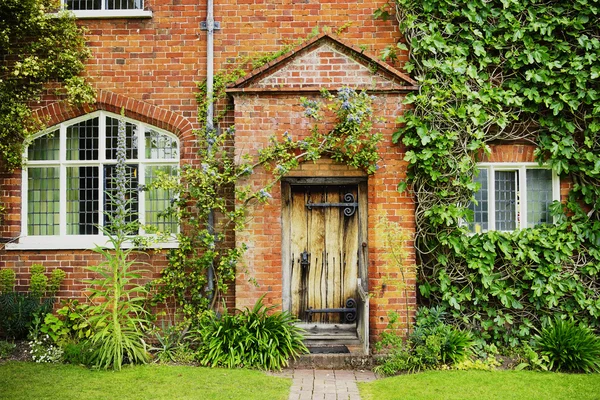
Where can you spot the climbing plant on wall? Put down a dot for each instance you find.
(216, 185)
(37, 46)
(491, 71)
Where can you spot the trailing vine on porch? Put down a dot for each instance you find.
(217, 184)
(497, 71)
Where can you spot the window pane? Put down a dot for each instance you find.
(506, 200)
(45, 147)
(159, 200)
(75, 5)
(112, 135)
(43, 197)
(82, 140)
(160, 146)
(124, 4)
(480, 211)
(131, 195)
(82, 200)
(539, 196)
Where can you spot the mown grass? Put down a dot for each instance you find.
(497, 385)
(19, 380)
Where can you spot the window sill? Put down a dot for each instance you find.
(106, 14)
(74, 243)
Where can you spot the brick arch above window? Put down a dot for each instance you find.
(179, 125)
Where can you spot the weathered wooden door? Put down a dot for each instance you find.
(324, 234)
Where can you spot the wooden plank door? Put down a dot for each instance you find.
(327, 233)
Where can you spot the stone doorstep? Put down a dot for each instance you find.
(332, 362)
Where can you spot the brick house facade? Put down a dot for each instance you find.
(148, 64)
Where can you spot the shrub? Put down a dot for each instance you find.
(78, 353)
(569, 347)
(6, 349)
(256, 338)
(70, 324)
(171, 344)
(432, 343)
(17, 311)
(7, 280)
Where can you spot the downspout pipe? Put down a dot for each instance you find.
(210, 30)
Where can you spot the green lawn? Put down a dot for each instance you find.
(482, 385)
(29, 381)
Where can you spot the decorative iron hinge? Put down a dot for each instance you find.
(350, 204)
(349, 311)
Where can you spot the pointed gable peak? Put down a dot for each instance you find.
(324, 62)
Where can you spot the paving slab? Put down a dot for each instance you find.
(326, 384)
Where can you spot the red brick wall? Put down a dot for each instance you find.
(150, 66)
(258, 117)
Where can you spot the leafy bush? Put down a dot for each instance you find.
(17, 311)
(256, 338)
(70, 324)
(6, 349)
(172, 344)
(569, 347)
(432, 343)
(7, 280)
(79, 353)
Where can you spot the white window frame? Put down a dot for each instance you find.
(521, 169)
(104, 13)
(64, 241)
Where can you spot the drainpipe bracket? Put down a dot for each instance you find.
(204, 26)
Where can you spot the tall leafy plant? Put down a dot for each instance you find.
(119, 318)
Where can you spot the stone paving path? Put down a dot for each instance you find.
(326, 384)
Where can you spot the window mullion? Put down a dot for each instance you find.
(522, 196)
(24, 202)
(62, 214)
(492, 198)
(141, 197)
(101, 162)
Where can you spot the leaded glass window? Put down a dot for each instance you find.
(513, 196)
(69, 174)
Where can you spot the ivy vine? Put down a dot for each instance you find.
(496, 71)
(37, 46)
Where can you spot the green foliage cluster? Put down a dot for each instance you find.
(216, 187)
(6, 349)
(173, 344)
(492, 71)
(569, 347)
(19, 310)
(70, 324)
(36, 46)
(253, 338)
(431, 345)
